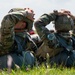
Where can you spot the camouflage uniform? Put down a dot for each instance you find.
(8, 36)
(62, 25)
(7, 28)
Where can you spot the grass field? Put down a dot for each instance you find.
(42, 70)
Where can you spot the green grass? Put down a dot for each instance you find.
(42, 70)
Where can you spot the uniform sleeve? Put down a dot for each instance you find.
(20, 16)
(17, 16)
(43, 21)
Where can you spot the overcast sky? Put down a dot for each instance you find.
(39, 6)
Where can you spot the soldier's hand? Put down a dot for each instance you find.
(64, 12)
(30, 14)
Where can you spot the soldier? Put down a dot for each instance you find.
(13, 27)
(58, 44)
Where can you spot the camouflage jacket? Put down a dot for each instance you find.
(7, 29)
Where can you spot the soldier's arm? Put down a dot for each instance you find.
(17, 16)
(43, 21)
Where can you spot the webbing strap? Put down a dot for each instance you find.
(63, 42)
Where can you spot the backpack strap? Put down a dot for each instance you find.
(63, 42)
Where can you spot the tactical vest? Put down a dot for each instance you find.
(63, 23)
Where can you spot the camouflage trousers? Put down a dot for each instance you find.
(7, 34)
